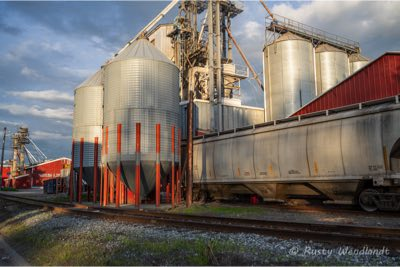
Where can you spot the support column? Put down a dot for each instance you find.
(173, 166)
(189, 173)
(118, 178)
(95, 170)
(71, 174)
(218, 61)
(80, 171)
(179, 173)
(137, 170)
(158, 167)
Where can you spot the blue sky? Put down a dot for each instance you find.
(48, 48)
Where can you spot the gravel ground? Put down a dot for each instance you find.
(45, 238)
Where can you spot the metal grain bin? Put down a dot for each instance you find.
(87, 123)
(289, 75)
(356, 62)
(141, 85)
(332, 67)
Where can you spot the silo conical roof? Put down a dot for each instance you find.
(142, 48)
(357, 57)
(327, 48)
(94, 80)
(289, 36)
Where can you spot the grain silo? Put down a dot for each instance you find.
(141, 85)
(332, 66)
(356, 62)
(87, 123)
(289, 75)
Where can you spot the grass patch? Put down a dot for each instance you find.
(8, 189)
(212, 209)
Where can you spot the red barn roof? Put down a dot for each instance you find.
(379, 79)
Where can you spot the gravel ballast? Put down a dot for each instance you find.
(45, 238)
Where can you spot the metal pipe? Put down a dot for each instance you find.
(173, 166)
(138, 172)
(95, 164)
(80, 170)
(158, 169)
(118, 180)
(267, 9)
(218, 61)
(210, 51)
(189, 174)
(245, 59)
(71, 174)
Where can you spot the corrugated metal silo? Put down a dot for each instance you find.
(87, 123)
(141, 85)
(356, 62)
(332, 66)
(289, 75)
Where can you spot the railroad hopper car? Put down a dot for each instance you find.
(349, 156)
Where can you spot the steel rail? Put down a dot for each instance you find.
(327, 233)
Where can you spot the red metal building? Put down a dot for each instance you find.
(377, 80)
(48, 170)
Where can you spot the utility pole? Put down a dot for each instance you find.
(2, 151)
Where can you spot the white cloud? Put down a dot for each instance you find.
(42, 135)
(12, 123)
(36, 111)
(28, 72)
(252, 30)
(372, 23)
(45, 95)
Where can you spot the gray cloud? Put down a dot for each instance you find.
(45, 95)
(36, 111)
(43, 135)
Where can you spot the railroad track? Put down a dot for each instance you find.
(329, 233)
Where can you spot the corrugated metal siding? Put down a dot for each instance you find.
(379, 79)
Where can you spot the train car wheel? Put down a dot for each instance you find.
(366, 200)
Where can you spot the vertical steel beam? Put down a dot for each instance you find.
(189, 173)
(118, 178)
(173, 166)
(158, 167)
(106, 186)
(95, 165)
(179, 173)
(137, 176)
(218, 62)
(108, 178)
(80, 170)
(101, 192)
(71, 174)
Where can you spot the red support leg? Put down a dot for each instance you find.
(137, 176)
(95, 165)
(158, 169)
(173, 166)
(179, 174)
(118, 181)
(80, 171)
(71, 174)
